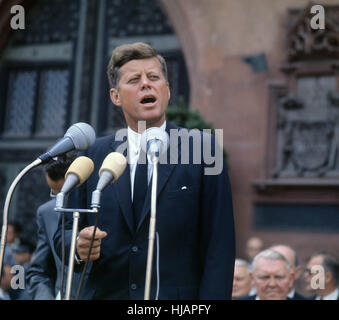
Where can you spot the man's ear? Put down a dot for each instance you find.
(169, 91)
(328, 277)
(115, 97)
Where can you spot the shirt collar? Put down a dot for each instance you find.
(134, 137)
(291, 294)
(332, 296)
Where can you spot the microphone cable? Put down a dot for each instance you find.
(88, 256)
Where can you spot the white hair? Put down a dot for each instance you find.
(242, 263)
(271, 255)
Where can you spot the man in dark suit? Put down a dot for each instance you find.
(322, 276)
(45, 271)
(194, 210)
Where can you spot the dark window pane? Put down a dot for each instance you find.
(52, 111)
(20, 103)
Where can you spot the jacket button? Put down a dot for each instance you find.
(133, 286)
(135, 249)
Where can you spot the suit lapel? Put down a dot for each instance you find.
(164, 172)
(122, 188)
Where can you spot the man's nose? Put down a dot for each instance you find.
(145, 82)
(272, 282)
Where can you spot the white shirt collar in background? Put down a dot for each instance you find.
(332, 296)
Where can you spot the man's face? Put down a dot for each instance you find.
(22, 257)
(253, 247)
(54, 185)
(143, 92)
(10, 234)
(272, 279)
(241, 282)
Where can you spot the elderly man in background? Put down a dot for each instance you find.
(271, 275)
(241, 281)
(324, 267)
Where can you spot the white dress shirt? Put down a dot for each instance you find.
(332, 296)
(134, 142)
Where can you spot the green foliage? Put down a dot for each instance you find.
(181, 116)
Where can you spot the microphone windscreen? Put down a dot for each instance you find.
(157, 136)
(82, 167)
(115, 163)
(81, 134)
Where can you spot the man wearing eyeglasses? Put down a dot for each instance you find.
(322, 276)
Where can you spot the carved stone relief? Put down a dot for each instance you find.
(308, 113)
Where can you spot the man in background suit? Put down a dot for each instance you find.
(324, 266)
(194, 210)
(45, 271)
(241, 279)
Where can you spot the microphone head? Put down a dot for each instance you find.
(82, 135)
(82, 167)
(115, 163)
(154, 140)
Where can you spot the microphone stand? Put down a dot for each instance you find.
(76, 215)
(10, 192)
(152, 226)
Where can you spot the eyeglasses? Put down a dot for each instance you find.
(309, 271)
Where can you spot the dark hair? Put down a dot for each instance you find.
(57, 167)
(17, 227)
(330, 264)
(128, 52)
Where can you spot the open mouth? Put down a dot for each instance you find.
(148, 100)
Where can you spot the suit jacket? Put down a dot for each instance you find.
(194, 220)
(314, 297)
(45, 271)
(296, 296)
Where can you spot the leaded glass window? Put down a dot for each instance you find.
(20, 103)
(36, 103)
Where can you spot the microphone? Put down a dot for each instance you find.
(78, 172)
(79, 136)
(111, 169)
(154, 141)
